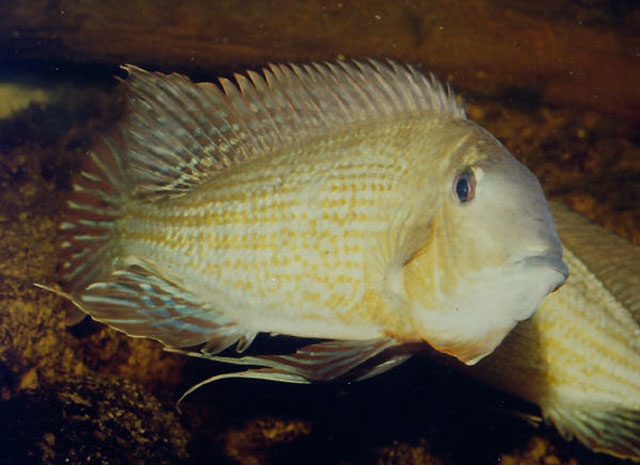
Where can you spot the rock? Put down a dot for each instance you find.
(560, 52)
(97, 421)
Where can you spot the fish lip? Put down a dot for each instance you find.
(552, 261)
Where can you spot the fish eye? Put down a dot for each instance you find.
(464, 186)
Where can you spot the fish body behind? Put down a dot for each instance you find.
(349, 202)
(578, 357)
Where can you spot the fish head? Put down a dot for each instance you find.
(492, 255)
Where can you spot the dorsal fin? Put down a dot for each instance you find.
(613, 259)
(178, 133)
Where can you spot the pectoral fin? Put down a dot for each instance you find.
(140, 301)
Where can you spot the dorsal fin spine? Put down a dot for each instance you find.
(191, 131)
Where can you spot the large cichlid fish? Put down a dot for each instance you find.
(348, 202)
(578, 357)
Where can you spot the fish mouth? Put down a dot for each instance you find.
(553, 262)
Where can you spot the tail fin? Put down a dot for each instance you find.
(88, 243)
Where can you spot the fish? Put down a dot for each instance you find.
(578, 357)
(351, 203)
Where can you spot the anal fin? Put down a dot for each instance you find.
(320, 362)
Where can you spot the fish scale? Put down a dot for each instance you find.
(239, 205)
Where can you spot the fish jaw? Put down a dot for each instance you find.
(552, 261)
(469, 335)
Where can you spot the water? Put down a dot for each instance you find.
(556, 82)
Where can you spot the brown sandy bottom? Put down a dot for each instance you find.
(88, 394)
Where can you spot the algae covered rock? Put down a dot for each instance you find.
(96, 421)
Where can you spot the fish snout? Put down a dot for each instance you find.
(541, 246)
(550, 258)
